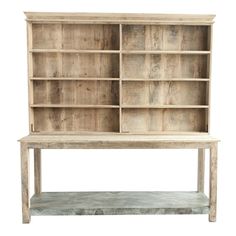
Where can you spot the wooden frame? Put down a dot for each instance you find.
(119, 81)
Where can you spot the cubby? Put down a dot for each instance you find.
(119, 81)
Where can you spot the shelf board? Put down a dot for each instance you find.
(70, 78)
(72, 106)
(163, 52)
(119, 51)
(165, 106)
(166, 79)
(116, 106)
(119, 203)
(73, 51)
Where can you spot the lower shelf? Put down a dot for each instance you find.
(119, 203)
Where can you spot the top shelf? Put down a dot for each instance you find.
(127, 39)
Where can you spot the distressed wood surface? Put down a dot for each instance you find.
(156, 37)
(123, 52)
(25, 183)
(163, 93)
(76, 119)
(76, 65)
(76, 92)
(154, 66)
(109, 18)
(119, 203)
(213, 182)
(69, 107)
(37, 171)
(118, 141)
(162, 120)
(201, 170)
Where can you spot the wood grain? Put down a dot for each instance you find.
(157, 120)
(76, 119)
(25, 183)
(77, 92)
(201, 170)
(154, 66)
(103, 37)
(111, 18)
(37, 171)
(163, 93)
(157, 37)
(213, 182)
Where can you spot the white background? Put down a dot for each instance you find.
(122, 169)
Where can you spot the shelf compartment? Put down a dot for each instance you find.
(164, 93)
(165, 37)
(119, 203)
(164, 66)
(164, 120)
(76, 36)
(76, 92)
(76, 65)
(45, 36)
(76, 120)
(96, 36)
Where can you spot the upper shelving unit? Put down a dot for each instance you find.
(119, 73)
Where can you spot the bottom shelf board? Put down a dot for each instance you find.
(119, 203)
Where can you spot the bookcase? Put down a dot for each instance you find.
(119, 78)
(118, 74)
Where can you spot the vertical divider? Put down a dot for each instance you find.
(208, 87)
(59, 46)
(59, 67)
(30, 75)
(120, 81)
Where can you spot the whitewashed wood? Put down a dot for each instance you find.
(76, 119)
(73, 65)
(164, 93)
(30, 74)
(165, 39)
(201, 170)
(118, 141)
(76, 92)
(25, 182)
(68, 53)
(213, 182)
(163, 119)
(120, 18)
(119, 203)
(37, 171)
(90, 37)
(120, 73)
(154, 66)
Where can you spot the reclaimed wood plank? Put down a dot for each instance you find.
(25, 183)
(37, 171)
(213, 182)
(201, 170)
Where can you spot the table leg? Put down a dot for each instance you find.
(213, 182)
(37, 170)
(25, 182)
(201, 169)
